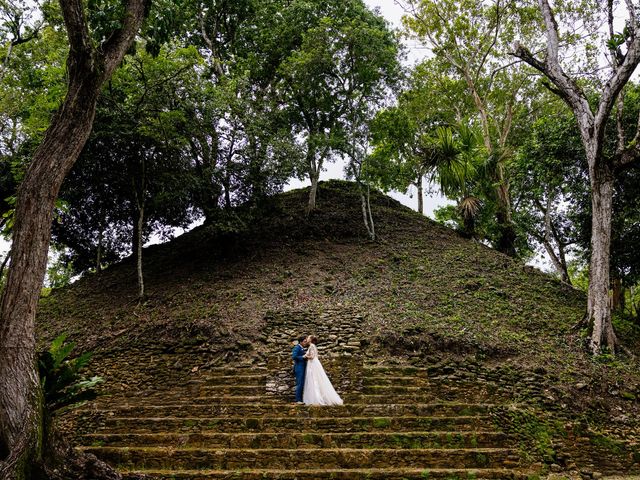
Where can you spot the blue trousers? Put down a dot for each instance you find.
(300, 374)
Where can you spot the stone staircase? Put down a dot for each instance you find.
(398, 422)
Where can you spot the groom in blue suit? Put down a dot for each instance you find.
(299, 366)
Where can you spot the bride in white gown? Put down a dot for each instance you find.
(317, 386)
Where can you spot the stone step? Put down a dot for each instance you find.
(257, 379)
(231, 370)
(258, 390)
(232, 459)
(232, 389)
(479, 439)
(261, 380)
(297, 424)
(292, 410)
(394, 389)
(335, 474)
(182, 398)
(389, 380)
(396, 370)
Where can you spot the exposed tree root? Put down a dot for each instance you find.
(63, 462)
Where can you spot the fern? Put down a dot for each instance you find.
(60, 377)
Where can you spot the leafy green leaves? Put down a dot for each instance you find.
(60, 377)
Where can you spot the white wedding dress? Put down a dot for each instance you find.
(317, 386)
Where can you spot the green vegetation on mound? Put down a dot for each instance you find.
(422, 281)
(424, 292)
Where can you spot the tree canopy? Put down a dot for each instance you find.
(220, 104)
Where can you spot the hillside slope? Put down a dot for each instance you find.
(421, 280)
(421, 295)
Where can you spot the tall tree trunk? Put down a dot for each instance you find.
(313, 192)
(366, 210)
(139, 191)
(135, 233)
(20, 405)
(507, 232)
(371, 223)
(314, 175)
(140, 227)
(20, 396)
(598, 308)
(550, 237)
(592, 132)
(420, 195)
(469, 225)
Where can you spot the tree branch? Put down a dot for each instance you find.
(117, 44)
(552, 34)
(491, 45)
(570, 91)
(77, 29)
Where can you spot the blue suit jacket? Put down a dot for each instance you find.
(299, 362)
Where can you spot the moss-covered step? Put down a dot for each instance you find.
(240, 379)
(397, 370)
(237, 389)
(232, 459)
(395, 380)
(292, 410)
(294, 424)
(184, 398)
(480, 439)
(206, 389)
(232, 370)
(334, 474)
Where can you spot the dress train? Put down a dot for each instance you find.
(318, 389)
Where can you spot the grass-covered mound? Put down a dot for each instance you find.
(425, 294)
(421, 281)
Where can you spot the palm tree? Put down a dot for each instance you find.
(453, 158)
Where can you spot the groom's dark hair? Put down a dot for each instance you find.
(302, 338)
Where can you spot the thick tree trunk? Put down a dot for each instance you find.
(20, 405)
(20, 396)
(598, 308)
(592, 131)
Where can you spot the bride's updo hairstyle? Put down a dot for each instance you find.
(313, 339)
